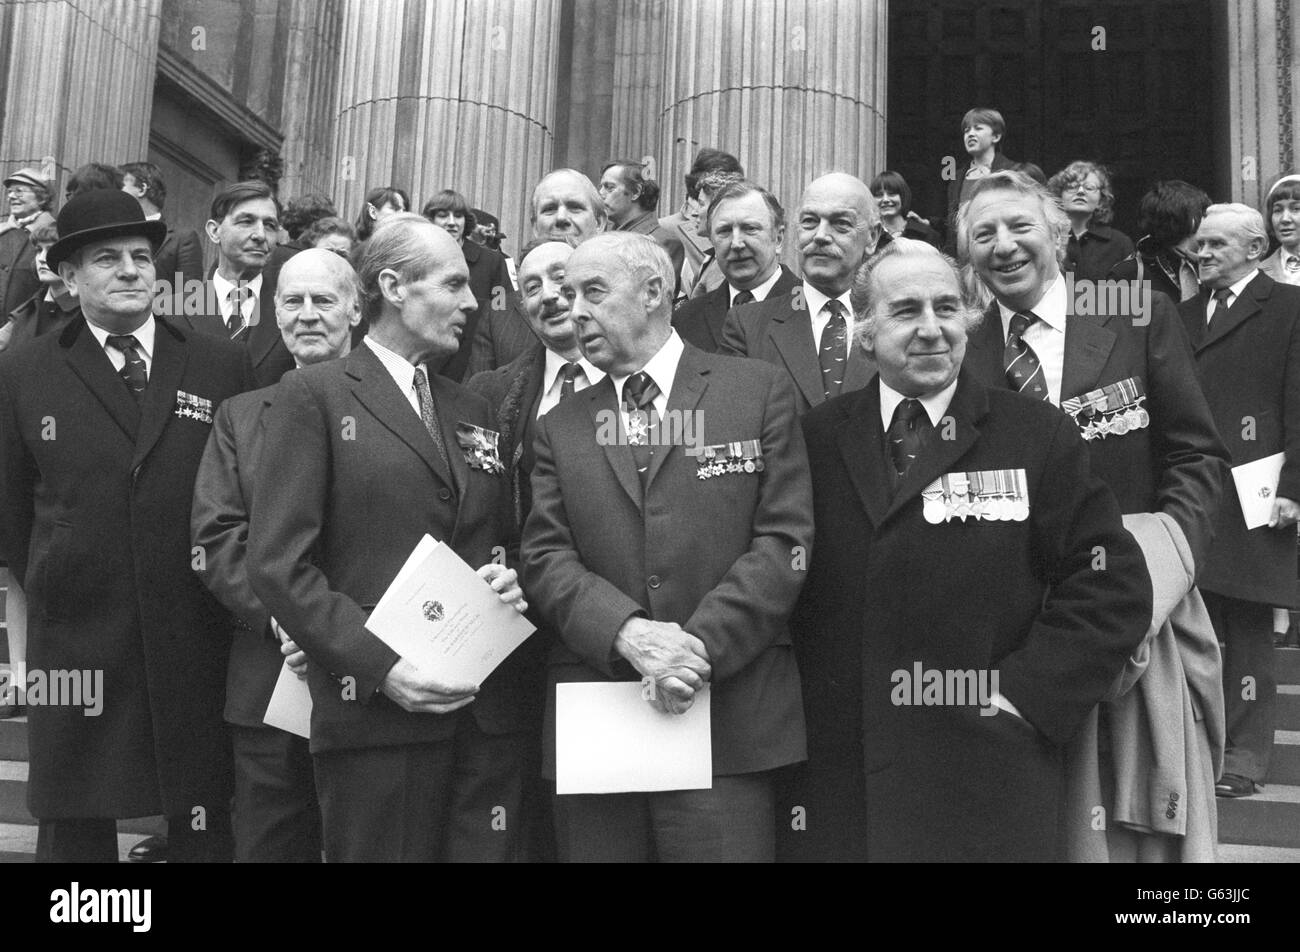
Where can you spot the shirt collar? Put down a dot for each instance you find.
(1240, 286)
(401, 369)
(936, 404)
(144, 335)
(224, 287)
(555, 363)
(816, 300)
(662, 367)
(1050, 308)
(760, 293)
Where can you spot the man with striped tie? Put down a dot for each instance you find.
(102, 427)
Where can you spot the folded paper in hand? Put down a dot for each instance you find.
(1257, 488)
(442, 617)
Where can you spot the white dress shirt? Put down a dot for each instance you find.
(760, 293)
(222, 287)
(936, 404)
(662, 368)
(553, 381)
(816, 302)
(400, 369)
(1046, 335)
(1234, 292)
(144, 335)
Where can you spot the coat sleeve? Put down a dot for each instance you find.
(288, 518)
(585, 608)
(1099, 600)
(1288, 486)
(744, 614)
(219, 525)
(17, 479)
(1193, 460)
(189, 256)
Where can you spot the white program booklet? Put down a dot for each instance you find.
(440, 616)
(1257, 488)
(290, 707)
(609, 739)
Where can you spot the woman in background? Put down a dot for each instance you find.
(1083, 189)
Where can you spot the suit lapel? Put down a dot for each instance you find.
(1194, 321)
(89, 362)
(159, 400)
(530, 396)
(715, 311)
(1250, 302)
(602, 400)
(791, 333)
(968, 407)
(860, 437)
(860, 370)
(1087, 348)
(378, 393)
(265, 334)
(985, 347)
(689, 385)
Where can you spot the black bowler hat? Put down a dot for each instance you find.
(98, 214)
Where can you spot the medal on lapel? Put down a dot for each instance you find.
(189, 406)
(989, 495)
(480, 446)
(1115, 409)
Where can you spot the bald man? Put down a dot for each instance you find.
(277, 819)
(808, 332)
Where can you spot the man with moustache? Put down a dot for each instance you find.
(369, 454)
(239, 297)
(102, 427)
(276, 816)
(1246, 338)
(653, 560)
(957, 528)
(808, 332)
(746, 224)
(565, 207)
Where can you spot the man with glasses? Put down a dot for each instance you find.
(27, 198)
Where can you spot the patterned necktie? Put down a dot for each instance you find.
(907, 435)
(569, 371)
(429, 415)
(237, 296)
(1220, 304)
(1024, 372)
(639, 392)
(133, 372)
(743, 297)
(832, 354)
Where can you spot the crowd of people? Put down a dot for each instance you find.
(955, 554)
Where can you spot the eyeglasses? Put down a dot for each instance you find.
(1081, 187)
(19, 190)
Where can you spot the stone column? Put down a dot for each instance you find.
(311, 86)
(78, 81)
(447, 94)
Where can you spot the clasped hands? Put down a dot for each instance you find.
(413, 690)
(673, 661)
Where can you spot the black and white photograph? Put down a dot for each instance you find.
(650, 431)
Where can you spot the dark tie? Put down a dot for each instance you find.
(1220, 304)
(238, 295)
(743, 297)
(907, 435)
(833, 352)
(133, 371)
(569, 371)
(429, 414)
(639, 392)
(1024, 373)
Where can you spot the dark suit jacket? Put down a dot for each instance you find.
(513, 391)
(779, 330)
(223, 494)
(1177, 464)
(700, 319)
(647, 224)
(489, 282)
(887, 590)
(500, 337)
(180, 257)
(266, 350)
(96, 522)
(1249, 364)
(18, 280)
(1000, 162)
(358, 483)
(717, 556)
(37, 316)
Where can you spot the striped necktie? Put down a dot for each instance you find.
(1024, 372)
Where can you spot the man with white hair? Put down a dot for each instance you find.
(276, 817)
(565, 207)
(667, 542)
(957, 527)
(808, 332)
(1246, 337)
